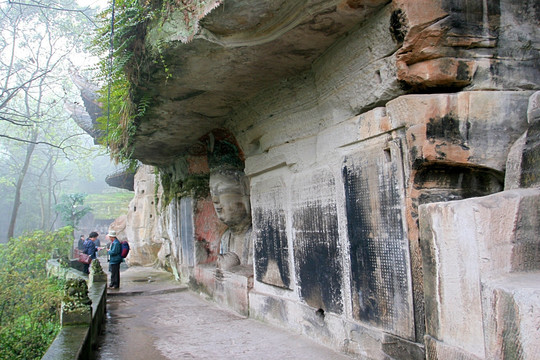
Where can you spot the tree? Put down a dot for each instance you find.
(24, 25)
(38, 139)
(18, 186)
(72, 209)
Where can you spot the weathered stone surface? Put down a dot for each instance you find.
(360, 70)
(453, 127)
(374, 193)
(76, 317)
(232, 288)
(452, 44)
(523, 163)
(271, 247)
(399, 348)
(356, 75)
(430, 53)
(140, 226)
(122, 179)
(244, 54)
(363, 342)
(438, 350)
(533, 111)
(317, 253)
(229, 288)
(343, 141)
(512, 316)
(512, 177)
(298, 49)
(447, 72)
(514, 64)
(530, 167)
(55, 269)
(469, 248)
(208, 229)
(296, 155)
(188, 257)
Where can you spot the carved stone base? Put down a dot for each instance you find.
(96, 278)
(227, 287)
(77, 316)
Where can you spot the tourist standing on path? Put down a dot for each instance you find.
(89, 247)
(80, 244)
(115, 259)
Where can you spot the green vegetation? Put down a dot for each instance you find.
(195, 185)
(109, 206)
(29, 300)
(125, 103)
(121, 104)
(72, 209)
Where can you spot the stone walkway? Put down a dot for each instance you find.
(153, 317)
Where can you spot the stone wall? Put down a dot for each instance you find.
(480, 263)
(363, 171)
(140, 225)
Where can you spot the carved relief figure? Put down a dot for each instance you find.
(230, 194)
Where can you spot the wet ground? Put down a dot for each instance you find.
(153, 317)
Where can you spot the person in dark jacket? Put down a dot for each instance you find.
(115, 259)
(89, 247)
(80, 243)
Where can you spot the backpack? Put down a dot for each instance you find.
(85, 246)
(125, 249)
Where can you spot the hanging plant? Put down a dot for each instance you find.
(125, 60)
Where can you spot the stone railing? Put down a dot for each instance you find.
(82, 314)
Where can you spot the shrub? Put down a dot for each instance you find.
(29, 300)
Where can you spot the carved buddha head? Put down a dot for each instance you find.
(230, 194)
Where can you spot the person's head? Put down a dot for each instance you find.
(81, 237)
(93, 235)
(230, 195)
(112, 235)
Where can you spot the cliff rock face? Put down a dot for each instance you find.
(139, 226)
(378, 139)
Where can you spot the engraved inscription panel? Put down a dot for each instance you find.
(187, 231)
(380, 267)
(270, 244)
(316, 251)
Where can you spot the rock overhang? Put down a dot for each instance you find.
(235, 51)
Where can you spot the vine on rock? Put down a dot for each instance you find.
(132, 61)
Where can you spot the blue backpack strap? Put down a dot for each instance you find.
(85, 246)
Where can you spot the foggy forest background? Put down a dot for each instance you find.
(46, 158)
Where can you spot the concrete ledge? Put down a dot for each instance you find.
(128, 292)
(54, 269)
(98, 295)
(77, 341)
(71, 343)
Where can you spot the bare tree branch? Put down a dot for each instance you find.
(15, 122)
(30, 141)
(57, 9)
(15, 90)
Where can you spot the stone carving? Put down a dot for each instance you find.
(96, 273)
(380, 275)
(230, 194)
(96, 268)
(76, 305)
